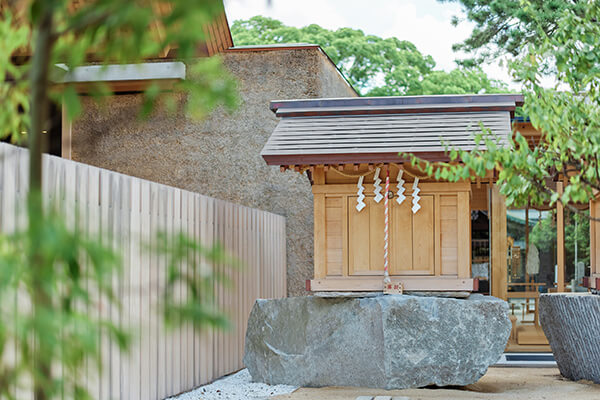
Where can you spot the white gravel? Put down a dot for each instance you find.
(238, 386)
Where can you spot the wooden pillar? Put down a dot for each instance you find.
(499, 244)
(527, 288)
(560, 241)
(464, 235)
(66, 135)
(593, 247)
(320, 251)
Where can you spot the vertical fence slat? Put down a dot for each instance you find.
(114, 209)
(189, 329)
(134, 381)
(125, 282)
(160, 267)
(177, 345)
(144, 285)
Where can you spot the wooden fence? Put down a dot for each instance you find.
(131, 210)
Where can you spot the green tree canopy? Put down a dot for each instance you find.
(568, 115)
(374, 66)
(503, 26)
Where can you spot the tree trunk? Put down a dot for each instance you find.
(39, 108)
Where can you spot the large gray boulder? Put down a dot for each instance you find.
(388, 341)
(571, 322)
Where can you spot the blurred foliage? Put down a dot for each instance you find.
(374, 66)
(506, 27)
(71, 281)
(568, 115)
(57, 275)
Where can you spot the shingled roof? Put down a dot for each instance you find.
(362, 130)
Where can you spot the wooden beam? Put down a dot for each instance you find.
(498, 244)
(371, 284)
(319, 175)
(560, 241)
(320, 237)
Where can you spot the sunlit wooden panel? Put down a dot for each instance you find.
(423, 236)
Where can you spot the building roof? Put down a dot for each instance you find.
(363, 130)
(217, 33)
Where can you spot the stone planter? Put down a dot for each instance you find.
(388, 341)
(571, 322)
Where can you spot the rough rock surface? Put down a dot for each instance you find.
(389, 341)
(571, 322)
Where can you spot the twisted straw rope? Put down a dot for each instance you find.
(386, 274)
(342, 173)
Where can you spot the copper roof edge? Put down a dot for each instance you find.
(272, 47)
(365, 103)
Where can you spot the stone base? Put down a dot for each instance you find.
(571, 322)
(388, 341)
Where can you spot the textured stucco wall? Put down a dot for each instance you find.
(220, 156)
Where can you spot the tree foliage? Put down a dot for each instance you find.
(54, 270)
(568, 115)
(504, 26)
(375, 66)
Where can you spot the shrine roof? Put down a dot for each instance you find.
(376, 129)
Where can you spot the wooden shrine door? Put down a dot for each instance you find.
(411, 237)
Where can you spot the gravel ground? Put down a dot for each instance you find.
(238, 386)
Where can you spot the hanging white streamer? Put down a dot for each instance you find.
(377, 187)
(415, 195)
(401, 188)
(360, 204)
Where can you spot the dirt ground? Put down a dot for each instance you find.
(498, 383)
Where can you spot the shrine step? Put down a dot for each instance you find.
(531, 335)
(383, 398)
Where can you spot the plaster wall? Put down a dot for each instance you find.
(220, 156)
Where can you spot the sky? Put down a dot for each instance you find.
(426, 23)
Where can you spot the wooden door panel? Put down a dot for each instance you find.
(358, 238)
(423, 236)
(334, 235)
(449, 234)
(401, 237)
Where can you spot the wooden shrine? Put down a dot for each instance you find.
(349, 149)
